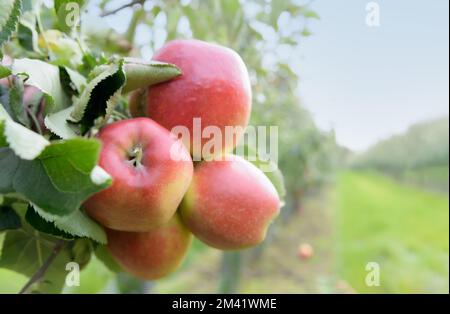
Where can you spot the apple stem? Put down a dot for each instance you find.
(137, 154)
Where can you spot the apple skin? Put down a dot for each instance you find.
(146, 196)
(150, 255)
(229, 204)
(214, 86)
(32, 100)
(137, 102)
(305, 251)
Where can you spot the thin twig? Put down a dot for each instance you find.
(39, 274)
(130, 4)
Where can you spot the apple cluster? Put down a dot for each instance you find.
(158, 197)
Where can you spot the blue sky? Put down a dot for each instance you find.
(370, 82)
(367, 83)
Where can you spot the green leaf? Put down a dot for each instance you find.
(142, 74)
(9, 17)
(4, 97)
(16, 101)
(3, 142)
(77, 224)
(74, 79)
(64, 50)
(5, 71)
(42, 225)
(310, 14)
(60, 179)
(24, 142)
(104, 83)
(70, 163)
(27, 5)
(306, 32)
(8, 218)
(81, 251)
(101, 252)
(58, 124)
(45, 77)
(9, 163)
(32, 181)
(277, 7)
(25, 252)
(26, 33)
(230, 8)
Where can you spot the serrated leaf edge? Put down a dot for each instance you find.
(82, 101)
(64, 223)
(11, 23)
(30, 144)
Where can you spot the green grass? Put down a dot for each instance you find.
(404, 229)
(374, 218)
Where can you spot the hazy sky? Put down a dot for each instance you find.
(367, 82)
(370, 82)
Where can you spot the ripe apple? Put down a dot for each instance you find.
(214, 86)
(33, 101)
(153, 254)
(137, 102)
(151, 170)
(230, 203)
(305, 251)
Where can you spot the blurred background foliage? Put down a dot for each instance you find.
(388, 204)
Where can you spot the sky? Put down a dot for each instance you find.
(366, 83)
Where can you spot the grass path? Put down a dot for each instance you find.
(364, 218)
(405, 230)
(278, 269)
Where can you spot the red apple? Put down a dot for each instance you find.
(150, 255)
(230, 203)
(214, 86)
(151, 170)
(305, 251)
(137, 102)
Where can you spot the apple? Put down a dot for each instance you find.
(153, 254)
(214, 86)
(150, 169)
(230, 203)
(137, 102)
(305, 251)
(33, 100)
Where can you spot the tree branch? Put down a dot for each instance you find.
(127, 5)
(39, 274)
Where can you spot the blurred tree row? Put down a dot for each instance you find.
(419, 156)
(423, 145)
